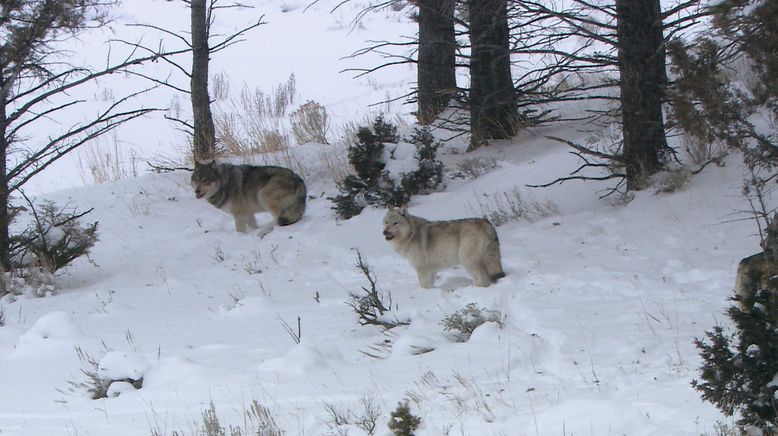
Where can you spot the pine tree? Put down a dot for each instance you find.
(372, 185)
(740, 371)
(429, 176)
(403, 422)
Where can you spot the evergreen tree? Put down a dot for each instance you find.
(372, 185)
(740, 371)
(429, 176)
(403, 422)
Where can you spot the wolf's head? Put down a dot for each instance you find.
(397, 224)
(206, 179)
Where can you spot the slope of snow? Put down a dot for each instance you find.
(601, 301)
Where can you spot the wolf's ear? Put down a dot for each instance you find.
(403, 210)
(205, 163)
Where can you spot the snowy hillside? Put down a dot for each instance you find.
(600, 306)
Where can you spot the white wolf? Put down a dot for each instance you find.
(431, 246)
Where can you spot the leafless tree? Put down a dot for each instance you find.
(203, 44)
(204, 133)
(38, 83)
(623, 42)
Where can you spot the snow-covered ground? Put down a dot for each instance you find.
(601, 301)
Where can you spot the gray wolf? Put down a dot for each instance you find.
(758, 271)
(432, 246)
(243, 190)
(751, 276)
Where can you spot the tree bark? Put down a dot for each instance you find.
(643, 79)
(493, 103)
(5, 239)
(204, 135)
(436, 68)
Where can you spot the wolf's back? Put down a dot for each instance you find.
(292, 188)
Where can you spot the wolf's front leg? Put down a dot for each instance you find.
(426, 278)
(241, 225)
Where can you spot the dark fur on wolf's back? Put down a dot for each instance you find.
(243, 190)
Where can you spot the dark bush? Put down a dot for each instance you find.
(372, 184)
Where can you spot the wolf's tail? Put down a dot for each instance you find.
(492, 258)
(294, 211)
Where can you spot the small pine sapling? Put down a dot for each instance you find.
(402, 421)
(429, 176)
(372, 184)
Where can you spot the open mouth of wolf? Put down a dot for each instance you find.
(389, 236)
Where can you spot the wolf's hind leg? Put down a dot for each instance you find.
(264, 230)
(492, 261)
(245, 222)
(478, 271)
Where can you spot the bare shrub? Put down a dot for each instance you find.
(272, 140)
(701, 152)
(464, 321)
(348, 131)
(252, 123)
(372, 305)
(258, 421)
(220, 87)
(366, 418)
(261, 420)
(310, 123)
(475, 167)
(290, 157)
(101, 162)
(96, 386)
(507, 206)
(335, 162)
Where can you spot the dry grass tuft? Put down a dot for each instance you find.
(310, 123)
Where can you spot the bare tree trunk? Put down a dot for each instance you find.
(493, 107)
(204, 135)
(436, 61)
(5, 261)
(643, 78)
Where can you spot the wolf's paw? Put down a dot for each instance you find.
(453, 283)
(263, 231)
